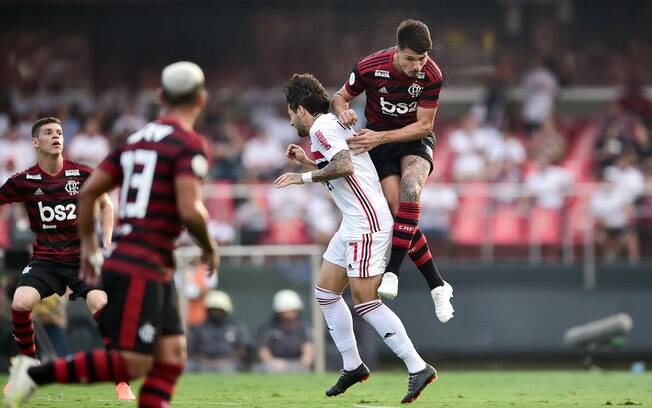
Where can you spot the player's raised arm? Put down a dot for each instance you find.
(194, 216)
(340, 107)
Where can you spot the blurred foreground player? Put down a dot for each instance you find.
(159, 169)
(49, 191)
(356, 253)
(402, 86)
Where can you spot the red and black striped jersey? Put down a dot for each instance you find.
(392, 96)
(145, 168)
(51, 204)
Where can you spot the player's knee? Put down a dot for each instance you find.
(362, 294)
(24, 301)
(96, 300)
(138, 364)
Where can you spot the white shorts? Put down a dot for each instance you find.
(363, 255)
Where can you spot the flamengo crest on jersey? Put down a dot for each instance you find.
(359, 196)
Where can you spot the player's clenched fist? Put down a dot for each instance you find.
(348, 117)
(296, 154)
(288, 179)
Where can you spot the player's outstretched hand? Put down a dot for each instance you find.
(91, 264)
(211, 258)
(364, 141)
(348, 117)
(296, 154)
(287, 179)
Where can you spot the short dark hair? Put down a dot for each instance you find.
(413, 34)
(189, 98)
(306, 90)
(36, 127)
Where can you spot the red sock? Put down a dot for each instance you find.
(23, 330)
(83, 367)
(158, 386)
(405, 225)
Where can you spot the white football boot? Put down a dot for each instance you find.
(388, 286)
(441, 297)
(22, 386)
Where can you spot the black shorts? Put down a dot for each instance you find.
(138, 311)
(49, 277)
(387, 157)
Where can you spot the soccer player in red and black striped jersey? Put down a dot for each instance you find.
(159, 169)
(402, 87)
(49, 192)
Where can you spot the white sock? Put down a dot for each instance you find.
(340, 326)
(391, 329)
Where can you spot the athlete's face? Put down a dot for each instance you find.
(49, 139)
(410, 62)
(298, 121)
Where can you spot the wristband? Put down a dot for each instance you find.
(306, 177)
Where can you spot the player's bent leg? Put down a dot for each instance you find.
(391, 330)
(96, 300)
(22, 304)
(170, 356)
(328, 293)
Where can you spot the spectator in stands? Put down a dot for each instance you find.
(613, 209)
(51, 313)
(548, 141)
(220, 343)
(548, 184)
(540, 89)
(629, 177)
(228, 145)
(90, 146)
(263, 157)
(470, 143)
(16, 153)
(197, 285)
(286, 344)
(438, 202)
(614, 138)
(633, 100)
(128, 122)
(252, 218)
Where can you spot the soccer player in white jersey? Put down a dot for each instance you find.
(356, 253)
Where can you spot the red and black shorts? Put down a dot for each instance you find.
(387, 157)
(139, 311)
(49, 277)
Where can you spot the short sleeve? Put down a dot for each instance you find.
(192, 160)
(355, 84)
(111, 164)
(9, 192)
(329, 140)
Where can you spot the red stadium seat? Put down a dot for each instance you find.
(289, 231)
(545, 226)
(508, 227)
(219, 200)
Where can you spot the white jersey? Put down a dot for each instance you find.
(359, 196)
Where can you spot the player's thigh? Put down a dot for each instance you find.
(391, 187)
(332, 277)
(368, 256)
(414, 173)
(25, 297)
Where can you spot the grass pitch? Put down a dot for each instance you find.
(453, 389)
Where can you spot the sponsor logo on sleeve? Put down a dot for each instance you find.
(381, 73)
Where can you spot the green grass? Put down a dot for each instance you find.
(454, 389)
